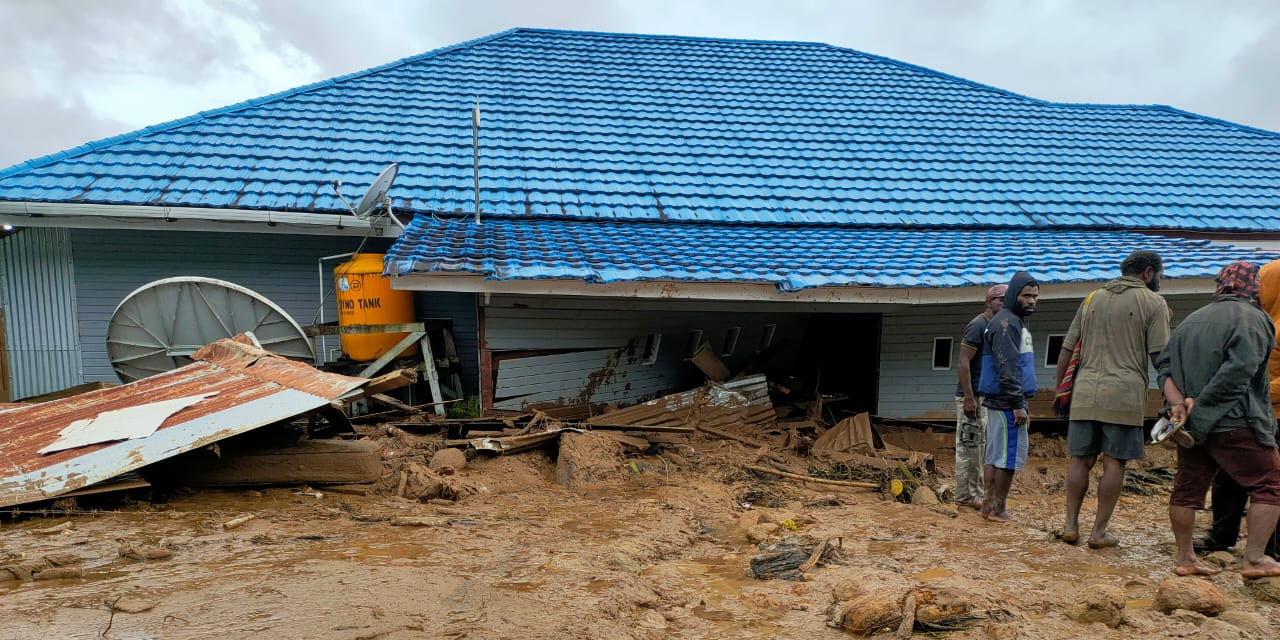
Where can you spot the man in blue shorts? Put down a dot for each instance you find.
(1007, 381)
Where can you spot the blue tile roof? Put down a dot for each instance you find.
(791, 258)
(592, 126)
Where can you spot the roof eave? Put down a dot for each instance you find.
(755, 291)
(138, 217)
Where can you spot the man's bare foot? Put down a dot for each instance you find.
(1107, 540)
(1265, 569)
(1070, 537)
(1003, 516)
(1196, 568)
(976, 503)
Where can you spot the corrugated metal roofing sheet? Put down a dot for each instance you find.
(253, 388)
(792, 258)
(594, 126)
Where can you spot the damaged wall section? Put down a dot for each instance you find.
(592, 350)
(37, 294)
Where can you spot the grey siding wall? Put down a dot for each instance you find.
(111, 264)
(909, 387)
(39, 300)
(608, 338)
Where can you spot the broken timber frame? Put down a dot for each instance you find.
(417, 332)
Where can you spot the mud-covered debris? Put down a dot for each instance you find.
(141, 552)
(57, 528)
(871, 613)
(238, 521)
(587, 458)
(790, 557)
(58, 573)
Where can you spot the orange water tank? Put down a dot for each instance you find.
(365, 297)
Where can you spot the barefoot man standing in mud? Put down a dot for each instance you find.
(971, 417)
(1007, 380)
(1119, 328)
(1214, 375)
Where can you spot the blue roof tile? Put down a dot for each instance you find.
(789, 257)
(591, 126)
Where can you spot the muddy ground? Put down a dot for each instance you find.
(653, 549)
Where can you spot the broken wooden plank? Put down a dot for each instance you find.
(706, 360)
(306, 461)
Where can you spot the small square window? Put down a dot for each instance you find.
(942, 353)
(691, 344)
(651, 344)
(1052, 348)
(731, 341)
(766, 337)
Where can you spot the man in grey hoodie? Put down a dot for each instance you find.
(1008, 379)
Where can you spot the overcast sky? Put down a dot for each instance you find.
(78, 70)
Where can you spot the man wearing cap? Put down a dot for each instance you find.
(1214, 375)
(1007, 381)
(1119, 327)
(971, 416)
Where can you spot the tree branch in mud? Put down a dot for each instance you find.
(796, 476)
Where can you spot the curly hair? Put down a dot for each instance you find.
(1138, 261)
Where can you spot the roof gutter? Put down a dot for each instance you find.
(759, 291)
(116, 216)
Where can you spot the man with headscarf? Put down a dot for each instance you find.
(1228, 497)
(1007, 381)
(971, 416)
(1214, 375)
(1119, 327)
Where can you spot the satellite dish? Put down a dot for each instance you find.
(157, 327)
(375, 195)
(377, 191)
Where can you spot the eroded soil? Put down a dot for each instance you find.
(656, 552)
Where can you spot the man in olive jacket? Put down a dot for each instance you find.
(1120, 327)
(1214, 375)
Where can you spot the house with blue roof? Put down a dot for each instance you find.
(827, 215)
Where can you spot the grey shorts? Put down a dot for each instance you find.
(1087, 438)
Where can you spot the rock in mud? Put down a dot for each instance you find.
(748, 519)
(421, 483)
(1003, 631)
(761, 532)
(1222, 559)
(1192, 594)
(1099, 603)
(942, 606)
(847, 590)
(587, 458)
(924, 496)
(1215, 629)
(128, 604)
(1251, 623)
(875, 611)
(449, 457)
(1265, 589)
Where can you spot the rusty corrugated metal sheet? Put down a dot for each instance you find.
(737, 403)
(254, 388)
